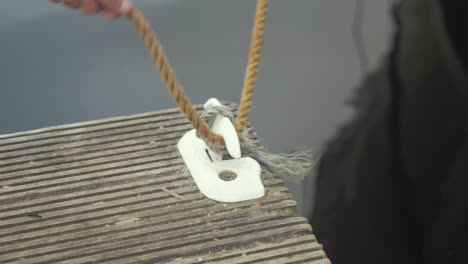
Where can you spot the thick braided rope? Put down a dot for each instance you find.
(175, 88)
(252, 66)
(167, 75)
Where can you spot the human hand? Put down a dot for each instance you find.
(111, 9)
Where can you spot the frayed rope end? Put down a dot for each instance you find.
(293, 166)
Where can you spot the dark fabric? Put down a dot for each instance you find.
(456, 22)
(392, 186)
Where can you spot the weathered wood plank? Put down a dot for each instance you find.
(116, 191)
(257, 252)
(83, 127)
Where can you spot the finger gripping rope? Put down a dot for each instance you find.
(175, 88)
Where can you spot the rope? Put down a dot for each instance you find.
(167, 75)
(175, 88)
(252, 66)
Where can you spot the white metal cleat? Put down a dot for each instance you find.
(233, 180)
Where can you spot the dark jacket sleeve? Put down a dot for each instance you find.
(383, 182)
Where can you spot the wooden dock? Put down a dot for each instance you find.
(116, 191)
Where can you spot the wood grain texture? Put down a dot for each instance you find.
(117, 191)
